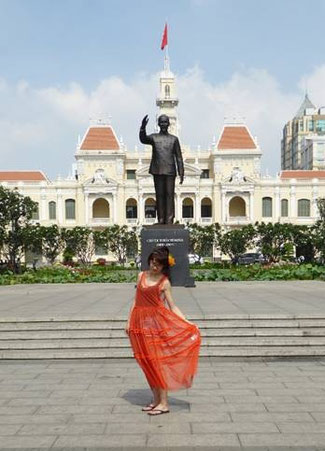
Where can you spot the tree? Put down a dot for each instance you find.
(304, 242)
(319, 229)
(321, 208)
(236, 241)
(120, 241)
(275, 240)
(45, 240)
(16, 211)
(201, 239)
(79, 242)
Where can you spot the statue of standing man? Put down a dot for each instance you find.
(166, 155)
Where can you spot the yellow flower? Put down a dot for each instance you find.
(171, 260)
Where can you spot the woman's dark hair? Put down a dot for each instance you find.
(161, 254)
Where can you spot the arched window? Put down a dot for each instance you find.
(303, 207)
(150, 208)
(206, 208)
(52, 210)
(267, 207)
(35, 214)
(167, 91)
(284, 207)
(70, 209)
(101, 208)
(237, 206)
(131, 209)
(188, 211)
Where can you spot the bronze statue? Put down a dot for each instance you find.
(166, 154)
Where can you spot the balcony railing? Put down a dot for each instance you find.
(206, 220)
(237, 220)
(131, 220)
(100, 221)
(187, 220)
(149, 220)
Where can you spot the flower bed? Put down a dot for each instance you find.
(116, 274)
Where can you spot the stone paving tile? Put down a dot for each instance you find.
(293, 407)
(290, 440)
(320, 399)
(110, 418)
(55, 387)
(295, 417)
(6, 429)
(42, 401)
(59, 429)
(74, 409)
(23, 442)
(38, 419)
(11, 387)
(233, 407)
(271, 386)
(195, 440)
(104, 400)
(264, 399)
(7, 410)
(236, 428)
(175, 427)
(64, 441)
(24, 394)
(318, 416)
(314, 428)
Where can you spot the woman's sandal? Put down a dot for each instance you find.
(160, 412)
(148, 407)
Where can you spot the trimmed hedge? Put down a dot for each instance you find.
(214, 272)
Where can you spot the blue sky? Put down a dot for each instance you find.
(60, 59)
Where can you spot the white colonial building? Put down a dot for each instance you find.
(111, 185)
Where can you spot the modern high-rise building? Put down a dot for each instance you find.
(301, 145)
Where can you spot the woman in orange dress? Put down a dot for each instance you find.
(165, 345)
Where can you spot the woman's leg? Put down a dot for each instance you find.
(163, 395)
(155, 399)
(156, 396)
(163, 404)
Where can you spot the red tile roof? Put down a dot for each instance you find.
(302, 174)
(100, 138)
(34, 176)
(235, 137)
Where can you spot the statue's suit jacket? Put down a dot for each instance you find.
(166, 153)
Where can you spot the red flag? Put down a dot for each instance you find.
(164, 41)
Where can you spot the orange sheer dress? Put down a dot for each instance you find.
(165, 346)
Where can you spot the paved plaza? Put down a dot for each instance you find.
(87, 301)
(249, 404)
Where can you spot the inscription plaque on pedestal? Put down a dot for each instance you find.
(176, 238)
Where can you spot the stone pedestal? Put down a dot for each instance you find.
(176, 238)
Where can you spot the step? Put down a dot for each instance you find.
(94, 343)
(6, 326)
(295, 351)
(120, 333)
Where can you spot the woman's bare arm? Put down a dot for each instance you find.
(170, 301)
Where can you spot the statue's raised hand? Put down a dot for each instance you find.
(145, 121)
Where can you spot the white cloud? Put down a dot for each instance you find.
(39, 127)
(315, 83)
(254, 95)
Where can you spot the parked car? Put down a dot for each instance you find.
(194, 258)
(250, 258)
